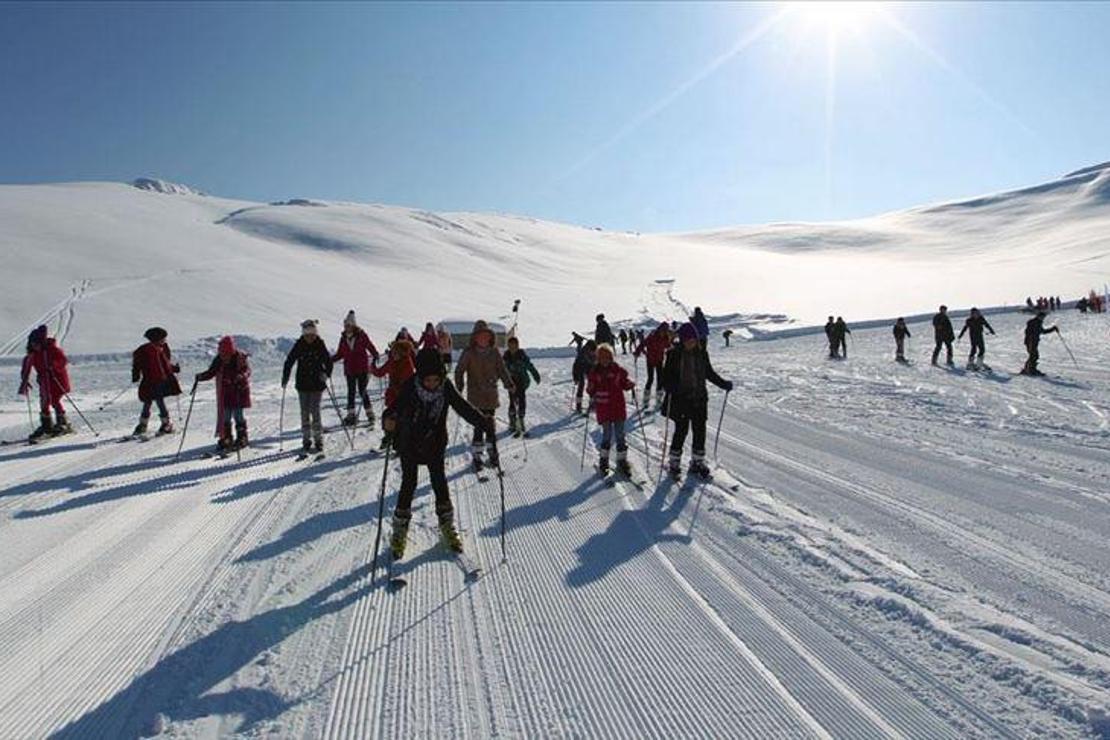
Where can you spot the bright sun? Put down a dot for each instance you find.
(835, 16)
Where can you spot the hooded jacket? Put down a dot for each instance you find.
(655, 346)
(482, 367)
(606, 385)
(51, 369)
(153, 369)
(520, 367)
(398, 368)
(355, 350)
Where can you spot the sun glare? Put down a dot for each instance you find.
(835, 17)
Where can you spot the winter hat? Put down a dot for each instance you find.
(428, 362)
(687, 331)
(38, 336)
(606, 348)
(226, 346)
(350, 319)
(600, 317)
(479, 327)
(308, 326)
(155, 334)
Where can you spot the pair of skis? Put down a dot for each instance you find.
(399, 572)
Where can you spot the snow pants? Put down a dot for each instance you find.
(947, 344)
(409, 469)
(609, 430)
(482, 438)
(682, 427)
(652, 371)
(518, 403)
(162, 412)
(977, 346)
(311, 425)
(899, 348)
(358, 383)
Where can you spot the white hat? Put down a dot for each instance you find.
(350, 320)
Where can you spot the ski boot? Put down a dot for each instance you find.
(166, 427)
(624, 468)
(318, 445)
(400, 535)
(674, 468)
(514, 426)
(476, 463)
(578, 407)
(226, 443)
(494, 459)
(350, 419)
(451, 539)
(140, 428)
(700, 469)
(241, 440)
(369, 414)
(306, 445)
(603, 463)
(46, 429)
(523, 430)
(61, 426)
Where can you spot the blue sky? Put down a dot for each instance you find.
(624, 115)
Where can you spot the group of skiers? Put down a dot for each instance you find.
(1051, 303)
(1091, 303)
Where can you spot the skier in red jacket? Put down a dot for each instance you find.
(49, 363)
(355, 351)
(398, 368)
(152, 367)
(655, 347)
(606, 385)
(232, 372)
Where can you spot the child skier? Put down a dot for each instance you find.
(50, 365)
(429, 339)
(1034, 329)
(152, 367)
(355, 351)
(482, 366)
(583, 363)
(314, 366)
(398, 368)
(445, 344)
(622, 335)
(606, 385)
(901, 333)
(522, 372)
(232, 372)
(418, 422)
(684, 374)
(654, 348)
(975, 324)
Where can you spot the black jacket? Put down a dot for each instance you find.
(686, 396)
(942, 328)
(313, 363)
(419, 437)
(603, 334)
(1034, 328)
(901, 331)
(975, 325)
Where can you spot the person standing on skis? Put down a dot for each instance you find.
(445, 343)
(152, 367)
(654, 348)
(975, 324)
(314, 366)
(232, 372)
(830, 332)
(606, 385)
(702, 325)
(622, 335)
(840, 335)
(603, 334)
(901, 333)
(398, 368)
(50, 364)
(418, 423)
(943, 333)
(356, 351)
(429, 339)
(523, 372)
(685, 373)
(1034, 329)
(480, 367)
(583, 363)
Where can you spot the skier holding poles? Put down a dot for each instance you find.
(523, 372)
(355, 350)
(654, 348)
(152, 367)
(975, 324)
(685, 372)
(1034, 328)
(232, 373)
(606, 385)
(314, 365)
(399, 368)
(901, 334)
(481, 365)
(49, 362)
(583, 363)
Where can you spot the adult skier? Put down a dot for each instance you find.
(685, 372)
(727, 334)
(654, 348)
(153, 368)
(356, 351)
(830, 329)
(606, 385)
(577, 340)
(314, 365)
(701, 324)
(446, 345)
(523, 372)
(840, 334)
(583, 363)
(975, 324)
(479, 369)
(232, 372)
(623, 337)
(901, 333)
(1034, 328)
(602, 333)
(943, 333)
(418, 423)
(50, 364)
(398, 367)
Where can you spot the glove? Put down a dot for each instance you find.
(176, 368)
(729, 385)
(284, 381)
(24, 389)
(389, 424)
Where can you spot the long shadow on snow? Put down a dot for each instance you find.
(558, 507)
(179, 685)
(307, 473)
(87, 478)
(30, 452)
(631, 533)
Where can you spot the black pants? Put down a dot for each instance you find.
(361, 381)
(1034, 356)
(652, 371)
(834, 344)
(681, 427)
(161, 408)
(947, 344)
(579, 388)
(409, 469)
(518, 402)
(899, 348)
(977, 346)
(844, 346)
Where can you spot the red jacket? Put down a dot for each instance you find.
(153, 364)
(233, 381)
(355, 350)
(49, 363)
(429, 340)
(606, 386)
(399, 368)
(655, 346)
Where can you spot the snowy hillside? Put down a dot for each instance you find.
(102, 261)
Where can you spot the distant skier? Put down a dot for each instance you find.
(702, 325)
(446, 344)
(583, 363)
(602, 333)
(727, 334)
(480, 367)
(654, 348)
(50, 364)
(418, 422)
(830, 330)
(1029, 304)
(943, 333)
(232, 372)
(577, 340)
(1034, 328)
(429, 339)
(975, 324)
(685, 372)
(403, 333)
(623, 336)
(840, 335)
(606, 385)
(356, 351)
(398, 367)
(314, 366)
(152, 367)
(523, 372)
(901, 334)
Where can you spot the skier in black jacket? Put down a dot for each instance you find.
(1034, 328)
(840, 336)
(685, 372)
(901, 333)
(943, 333)
(583, 362)
(830, 328)
(602, 333)
(975, 324)
(418, 423)
(314, 366)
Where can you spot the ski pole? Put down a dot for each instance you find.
(281, 422)
(30, 415)
(585, 436)
(381, 515)
(185, 429)
(501, 484)
(78, 410)
(1067, 348)
(113, 399)
(643, 430)
(666, 432)
(335, 404)
(720, 421)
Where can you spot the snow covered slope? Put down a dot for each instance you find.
(102, 261)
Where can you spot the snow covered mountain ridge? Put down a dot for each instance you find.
(99, 262)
